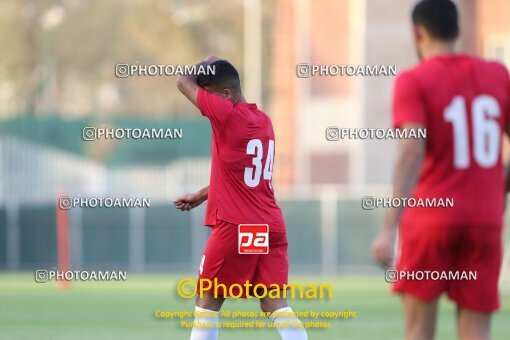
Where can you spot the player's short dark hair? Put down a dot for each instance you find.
(225, 77)
(439, 17)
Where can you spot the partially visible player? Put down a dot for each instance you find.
(464, 104)
(239, 192)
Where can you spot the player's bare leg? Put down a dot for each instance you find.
(208, 301)
(473, 325)
(289, 326)
(207, 311)
(270, 305)
(420, 318)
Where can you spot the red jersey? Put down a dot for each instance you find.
(464, 104)
(242, 149)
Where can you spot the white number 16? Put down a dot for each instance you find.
(486, 131)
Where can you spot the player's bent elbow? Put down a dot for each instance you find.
(180, 83)
(412, 157)
(412, 151)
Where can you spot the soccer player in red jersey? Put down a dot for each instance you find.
(464, 104)
(239, 192)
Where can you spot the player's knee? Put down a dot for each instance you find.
(473, 325)
(420, 329)
(415, 333)
(268, 305)
(208, 301)
(265, 306)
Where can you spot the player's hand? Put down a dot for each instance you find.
(382, 248)
(188, 202)
(211, 59)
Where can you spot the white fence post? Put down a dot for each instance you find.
(137, 239)
(76, 238)
(329, 232)
(13, 235)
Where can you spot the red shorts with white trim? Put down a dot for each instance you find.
(463, 261)
(231, 274)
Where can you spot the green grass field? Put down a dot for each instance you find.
(125, 310)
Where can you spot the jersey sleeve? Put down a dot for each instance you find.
(507, 116)
(214, 107)
(408, 101)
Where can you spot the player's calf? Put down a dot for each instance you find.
(288, 324)
(473, 325)
(420, 318)
(206, 317)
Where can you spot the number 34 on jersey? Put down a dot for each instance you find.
(253, 175)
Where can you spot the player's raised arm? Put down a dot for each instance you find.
(187, 84)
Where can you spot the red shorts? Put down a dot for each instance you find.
(456, 251)
(221, 261)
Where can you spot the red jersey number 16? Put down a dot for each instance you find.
(252, 175)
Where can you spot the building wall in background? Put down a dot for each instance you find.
(353, 32)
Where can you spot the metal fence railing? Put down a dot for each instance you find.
(328, 231)
(161, 238)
